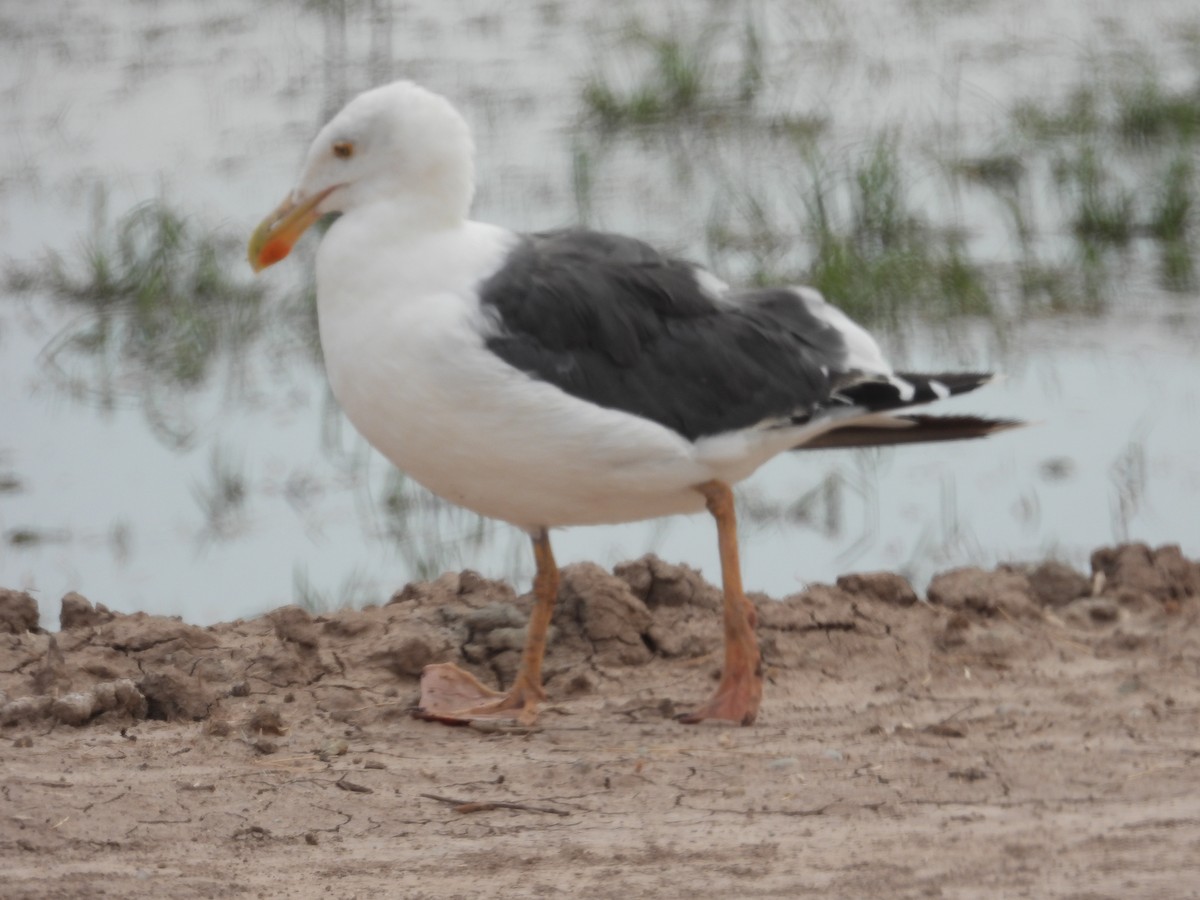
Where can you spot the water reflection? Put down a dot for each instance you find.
(156, 307)
(769, 144)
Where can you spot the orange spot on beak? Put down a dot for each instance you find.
(273, 251)
(275, 236)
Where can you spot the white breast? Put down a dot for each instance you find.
(403, 337)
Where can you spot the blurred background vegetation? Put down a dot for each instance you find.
(957, 178)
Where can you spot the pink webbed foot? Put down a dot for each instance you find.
(455, 697)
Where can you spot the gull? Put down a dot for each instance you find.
(569, 377)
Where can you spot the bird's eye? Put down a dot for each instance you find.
(343, 149)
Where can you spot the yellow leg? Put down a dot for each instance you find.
(740, 690)
(448, 694)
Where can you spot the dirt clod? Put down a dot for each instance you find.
(887, 587)
(77, 612)
(599, 610)
(974, 590)
(1162, 574)
(1056, 584)
(295, 625)
(174, 696)
(658, 583)
(266, 720)
(18, 612)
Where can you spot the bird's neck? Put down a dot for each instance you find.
(404, 216)
(383, 254)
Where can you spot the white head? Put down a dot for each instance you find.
(398, 144)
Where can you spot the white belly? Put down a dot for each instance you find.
(424, 390)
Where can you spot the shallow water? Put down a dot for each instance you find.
(245, 488)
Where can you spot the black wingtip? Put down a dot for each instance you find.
(884, 392)
(929, 387)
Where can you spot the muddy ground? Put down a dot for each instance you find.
(1025, 732)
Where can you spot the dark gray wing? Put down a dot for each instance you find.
(611, 321)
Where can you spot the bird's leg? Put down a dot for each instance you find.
(448, 694)
(740, 689)
(528, 682)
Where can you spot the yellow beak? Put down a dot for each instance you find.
(275, 236)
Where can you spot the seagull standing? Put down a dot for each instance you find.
(570, 377)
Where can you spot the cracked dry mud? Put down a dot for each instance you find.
(1028, 731)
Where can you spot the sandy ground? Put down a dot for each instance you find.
(1017, 733)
